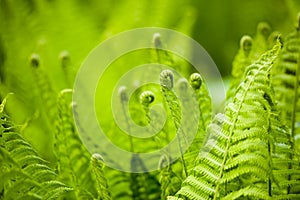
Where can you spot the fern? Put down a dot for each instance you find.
(73, 158)
(97, 165)
(286, 85)
(251, 151)
(240, 62)
(199, 98)
(285, 168)
(286, 81)
(167, 84)
(225, 165)
(204, 102)
(44, 87)
(169, 181)
(203, 98)
(67, 68)
(23, 173)
(250, 50)
(260, 42)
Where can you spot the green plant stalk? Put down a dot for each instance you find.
(270, 160)
(295, 101)
(166, 94)
(102, 186)
(293, 120)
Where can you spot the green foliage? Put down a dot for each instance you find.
(286, 86)
(249, 151)
(73, 159)
(24, 174)
(235, 147)
(97, 164)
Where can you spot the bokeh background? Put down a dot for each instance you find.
(50, 27)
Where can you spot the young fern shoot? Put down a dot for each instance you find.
(73, 159)
(167, 84)
(240, 62)
(44, 87)
(102, 186)
(65, 58)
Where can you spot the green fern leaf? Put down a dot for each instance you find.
(97, 165)
(286, 85)
(73, 159)
(170, 183)
(221, 166)
(26, 174)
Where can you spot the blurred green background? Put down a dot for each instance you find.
(48, 27)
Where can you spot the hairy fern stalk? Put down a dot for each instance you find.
(249, 151)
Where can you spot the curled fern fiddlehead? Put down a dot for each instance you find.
(146, 98)
(167, 83)
(167, 79)
(203, 98)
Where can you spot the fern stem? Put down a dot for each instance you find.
(182, 158)
(124, 99)
(128, 128)
(165, 91)
(295, 101)
(161, 54)
(269, 142)
(167, 83)
(270, 161)
(293, 119)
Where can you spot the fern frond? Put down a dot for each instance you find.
(248, 192)
(286, 85)
(73, 159)
(97, 165)
(167, 84)
(25, 175)
(196, 104)
(204, 100)
(169, 181)
(209, 181)
(43, 87)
